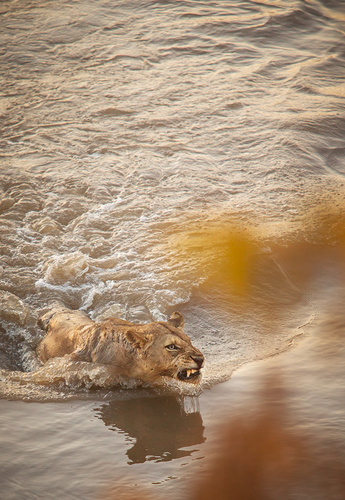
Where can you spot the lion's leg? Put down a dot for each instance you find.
(63, 329)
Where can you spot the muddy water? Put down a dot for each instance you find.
(159, 156)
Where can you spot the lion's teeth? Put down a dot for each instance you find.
(190, 372)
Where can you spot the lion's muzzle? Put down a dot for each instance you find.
(192, 373)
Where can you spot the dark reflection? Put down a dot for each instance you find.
(160, 425)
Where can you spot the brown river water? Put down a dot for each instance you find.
(175, 155)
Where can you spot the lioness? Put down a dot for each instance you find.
(146, 352)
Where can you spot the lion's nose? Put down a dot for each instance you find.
(199, 360)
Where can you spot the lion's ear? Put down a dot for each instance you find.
(137, 340)
(176, 319)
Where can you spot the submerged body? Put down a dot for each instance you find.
(147, 351)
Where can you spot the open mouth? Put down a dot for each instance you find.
(188, 374)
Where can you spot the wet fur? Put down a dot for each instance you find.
(134, 351)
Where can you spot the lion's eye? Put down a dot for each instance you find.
(171, 347)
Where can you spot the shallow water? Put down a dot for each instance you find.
(159, 156)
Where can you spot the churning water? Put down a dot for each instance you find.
(163, 155)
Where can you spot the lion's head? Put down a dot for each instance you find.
(163, 349)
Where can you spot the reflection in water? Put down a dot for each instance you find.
(160, 425)
(283, 438)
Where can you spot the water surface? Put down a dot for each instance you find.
(158, 156)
